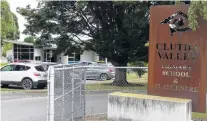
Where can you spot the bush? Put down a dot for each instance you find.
(139, 72)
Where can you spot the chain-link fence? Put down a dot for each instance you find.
(66, 100)
(80, 93)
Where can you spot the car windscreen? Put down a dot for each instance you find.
(39, 68)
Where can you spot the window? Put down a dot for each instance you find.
(101, 58)
(39, 68)
(71, 59)
(49, 55)
(74, 57)
(31, 55)
(19, 68)
(23, 52)
(8, 68)
(77, 57)
(71, 55)
(37, 57)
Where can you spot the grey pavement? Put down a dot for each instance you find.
(26, 107)
(96, 104)
(92, 81)
(33, 107)
(19, 95)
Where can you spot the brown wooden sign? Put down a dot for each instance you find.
(177, 56)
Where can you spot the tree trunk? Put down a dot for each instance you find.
(120, 77)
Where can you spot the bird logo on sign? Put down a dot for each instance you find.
(177, 22)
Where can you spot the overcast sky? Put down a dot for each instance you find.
(21, 21)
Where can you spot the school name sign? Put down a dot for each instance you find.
(169, 51)
(177, 56)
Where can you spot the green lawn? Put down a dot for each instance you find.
(135, 83)
(200, 115)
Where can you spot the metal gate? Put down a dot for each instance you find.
(66, 95)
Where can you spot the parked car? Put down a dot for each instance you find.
(86, 63)
(28, 75)
(46, 65)
(105, 64)
(100, 72)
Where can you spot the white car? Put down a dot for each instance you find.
(28, 75)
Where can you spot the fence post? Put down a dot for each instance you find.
(63, 93)
(50, 101)
(73, 93)
(48, 95)
(84, 91)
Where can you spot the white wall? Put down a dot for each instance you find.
(62, 59)
(38, 52)
(139, 107)
(86, 56)
(89, 56)
(96, 57)
(9, 53)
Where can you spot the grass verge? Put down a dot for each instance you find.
(108, 86)
(135, 83)
(199, 115)
(103, 117)
(99, 117)
(13, 90)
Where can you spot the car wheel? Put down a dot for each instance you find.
(103, 77)
(41, 86)
(4, 85)
(27, 84)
